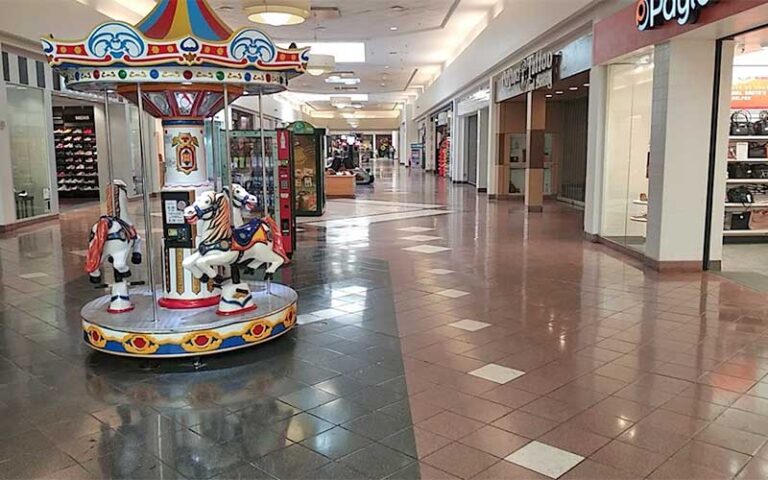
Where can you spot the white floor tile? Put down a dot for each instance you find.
(469, 325)
(426, 249)
(29, 276)
(349, 308)
(306, 319)
(416, 229)
(497, 373)
(328, 313)
(420, 238)
(439, 271)
(450, 293)
(355, 289)
(545, 459)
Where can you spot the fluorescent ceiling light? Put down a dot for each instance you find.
(336, 79)
(278, 12)
(319, 97)
(343, 52)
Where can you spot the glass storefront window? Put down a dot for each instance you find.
(30, 156)
(627, 146)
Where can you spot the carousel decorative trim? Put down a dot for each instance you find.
(119, 44)
(254, 331)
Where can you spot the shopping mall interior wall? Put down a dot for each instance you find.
(29, 20)
(514, 28)
(483, 159)
(683, 83)
(272, 107)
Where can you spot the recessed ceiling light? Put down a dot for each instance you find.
(573, 89)
(559, 92)
(386, 67)
(549, 95)
(586, 84)
(383, 84)
(279, 12)
(393, 28)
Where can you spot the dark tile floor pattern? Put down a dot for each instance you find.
(643, 375)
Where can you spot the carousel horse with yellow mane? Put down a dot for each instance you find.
(258, 242)
(114, 239)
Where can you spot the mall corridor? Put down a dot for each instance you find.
(441, 336)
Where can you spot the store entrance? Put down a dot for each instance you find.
(77, 170)
(745, 211)
(472, 147)
(565, 141)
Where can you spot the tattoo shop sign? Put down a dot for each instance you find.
(535, 71)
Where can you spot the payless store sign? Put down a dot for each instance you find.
(536, 71)
(650, 14)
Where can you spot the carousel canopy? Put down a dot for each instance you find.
(179, 42)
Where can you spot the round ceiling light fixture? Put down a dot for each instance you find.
(278, 13)
(320, 64)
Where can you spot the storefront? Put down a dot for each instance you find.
(471, 164)
(54, 139)
(541, 124)
(437, 141)
(678, 166)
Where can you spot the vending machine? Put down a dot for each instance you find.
(309, 168)
(250, 170)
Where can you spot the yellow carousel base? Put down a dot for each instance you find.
(187, 333)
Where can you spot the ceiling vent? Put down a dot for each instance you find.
(325, 13)
(345, 88)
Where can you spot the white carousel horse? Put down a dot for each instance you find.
(256, 243)
(241, 200)
(113, 238)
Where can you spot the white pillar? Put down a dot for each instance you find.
(483, 158)
(7, 200)
(593, 195)
(494, 120)
(681, 111)
(396, 143)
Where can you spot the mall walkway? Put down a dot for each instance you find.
(441, 337)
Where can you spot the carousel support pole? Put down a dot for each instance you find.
(227, 182)
(108, 131)
(264, 172)
(147, 205)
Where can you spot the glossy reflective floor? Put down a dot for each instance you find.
(475, 341)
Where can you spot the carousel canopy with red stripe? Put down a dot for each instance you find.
(179, 41)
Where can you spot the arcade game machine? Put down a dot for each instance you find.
(309, 169)
(275, 178)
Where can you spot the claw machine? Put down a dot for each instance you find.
(309, 169)
(248, 169)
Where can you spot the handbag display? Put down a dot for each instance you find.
(740, 221)
(741, 123)
(740, 195)
(758, 150)
(761, 126)
(758, 171)
(758, 220)
(739, 170)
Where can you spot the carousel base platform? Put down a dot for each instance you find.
(187, 333)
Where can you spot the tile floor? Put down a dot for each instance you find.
(533, 366)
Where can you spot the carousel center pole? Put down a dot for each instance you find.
(264, 171)
(147, 205)
(227, 181)
(108, 131)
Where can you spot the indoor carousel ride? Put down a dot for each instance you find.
(182, 64)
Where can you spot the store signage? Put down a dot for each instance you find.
(535, 71)
(650, 14)
(82, 117)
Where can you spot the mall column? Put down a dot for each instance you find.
(536, 116)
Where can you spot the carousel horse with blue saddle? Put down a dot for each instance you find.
(255, 243)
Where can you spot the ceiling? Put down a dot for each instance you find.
(407, 42)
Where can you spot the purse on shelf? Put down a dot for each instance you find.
(739, 170)
(740, 221)
(741, 123)
(758, 220)
(740, 195)
(759, 171)
(760, 127)
(758, 150)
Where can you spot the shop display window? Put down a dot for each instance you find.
(30, 155)
(627, 147)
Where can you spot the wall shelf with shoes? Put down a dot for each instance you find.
(74, 134)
